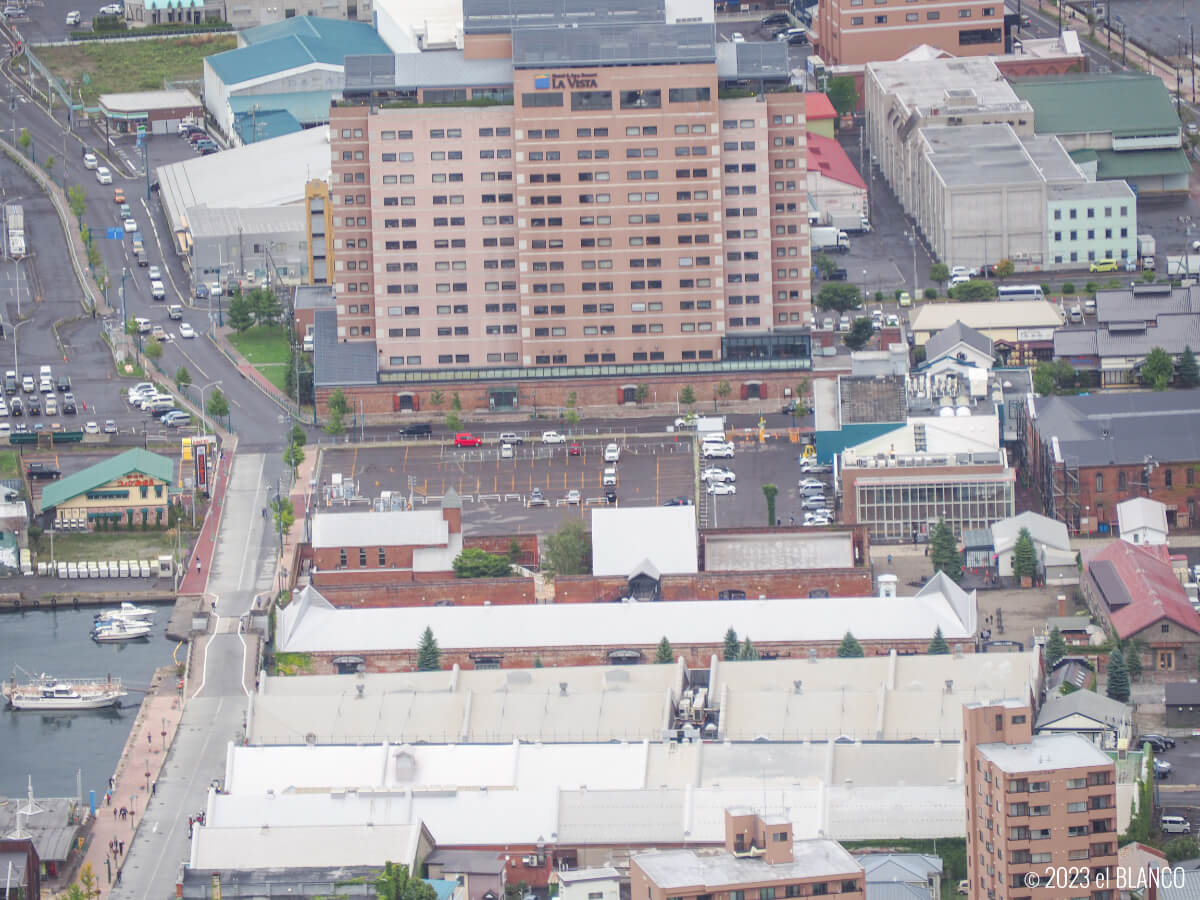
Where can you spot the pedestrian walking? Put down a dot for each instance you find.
(149, 743)
(114, 814)
(122, 848)
(197, 565)
(111, 783)
(154, 789)
(791, 520)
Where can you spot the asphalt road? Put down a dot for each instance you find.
(214, 716)
(259, 423)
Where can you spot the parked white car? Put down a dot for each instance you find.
(90, 161)
(553, 437)
(103, 175)
(717, 473)
(722, 487)
(612, 453)
(717, 451)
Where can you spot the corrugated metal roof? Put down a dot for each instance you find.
(309, 107)
(262, 125)
(1086, 104)
(135, 460)
(1139, 588)
(613, 45)
(1141, 163)
(292, 44)
(1103, 710)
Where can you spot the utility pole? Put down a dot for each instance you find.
(124, 320)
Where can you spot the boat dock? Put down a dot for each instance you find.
(16, 602)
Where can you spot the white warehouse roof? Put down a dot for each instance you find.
(310, 624)
(624, 538)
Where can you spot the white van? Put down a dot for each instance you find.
(610, 477)
(506, 451)
(143, 324)
(1075, 316)
(1175, 825)
(612, 453)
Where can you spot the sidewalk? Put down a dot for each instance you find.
(134, 782)
(195, 574)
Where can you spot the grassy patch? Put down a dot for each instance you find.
(128, 368)
(125, 544)
(10, 464)
(138, 65)
(293, 663)
(261, 344)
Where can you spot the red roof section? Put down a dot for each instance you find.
(818, 106)
(826, 156)
(1156, 593)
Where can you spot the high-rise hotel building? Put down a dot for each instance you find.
(598, 197)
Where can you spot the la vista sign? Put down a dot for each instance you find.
(568, 80)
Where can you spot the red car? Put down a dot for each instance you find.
(574, 450)
(466, 439)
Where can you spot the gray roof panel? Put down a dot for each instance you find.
(941, 343)
(1123, 428)
(613, 45)
(501, 16)
(340, 364)
(432, 69)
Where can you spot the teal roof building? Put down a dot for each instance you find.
(303, 55)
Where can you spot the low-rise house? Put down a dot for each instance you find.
(1142, 521)
(1134, 590)
(1183, 704)
(1101, 720)
(599, 883)
(1069, 673)
(1051, 544)
(481, 872)
(902, 876)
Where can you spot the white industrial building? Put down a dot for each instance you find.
(268, 175)
(876, 698)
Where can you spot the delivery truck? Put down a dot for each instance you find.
(827, 239)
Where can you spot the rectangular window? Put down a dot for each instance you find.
(584, 100)
(647, 99)
(690, 95)
(542, 98)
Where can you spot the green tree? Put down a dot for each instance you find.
(1181, 848)
(437, 398)
(823, 262)
(1005, 268)
(943, 550)
(298, 436)
(1043, 379)
(290, 384)
(850, 647)
(687, 396)
(1132, 651)
(475, 562)
(88, 882)
(641, 394)
(182, 377)
(514, 551)
(1056, 647)
(429, 657)
(1056, 377)
(1118, 677)
(49, 164)
(663, 653)
(859, 334)
(730, 651)
(131, 327)
(747, 653)
(974, 291)
(283, 514)
(293, 456)
(770, 492)
(25, 140)
(453, 420)
(1157, 369)
(938, 646)
(265, 306)
(337, 403)
(568, 551)
(724, 389)
(153, 349)
(77, 200)
(1025, 561)
(218, 405)
(455, 402)
(1187, 372)
(239, 314)
(839, 297)
(843, 94)
(939, 272)
(335, 424)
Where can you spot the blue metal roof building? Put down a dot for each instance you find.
(303, 55)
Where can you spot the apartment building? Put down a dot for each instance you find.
(549, 200)
(1035, 805)
(760, 859)
(851, 32)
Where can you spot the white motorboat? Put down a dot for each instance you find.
(48, 693)
(120, 630)
(127, 612)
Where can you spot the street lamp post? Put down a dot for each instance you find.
(203, 410)
(124, 320)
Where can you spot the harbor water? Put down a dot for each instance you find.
(52, 746)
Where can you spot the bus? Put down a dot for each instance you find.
(1020, 292)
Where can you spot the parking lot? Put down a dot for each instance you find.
(496, 491)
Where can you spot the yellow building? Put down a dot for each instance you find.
(129, 489)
